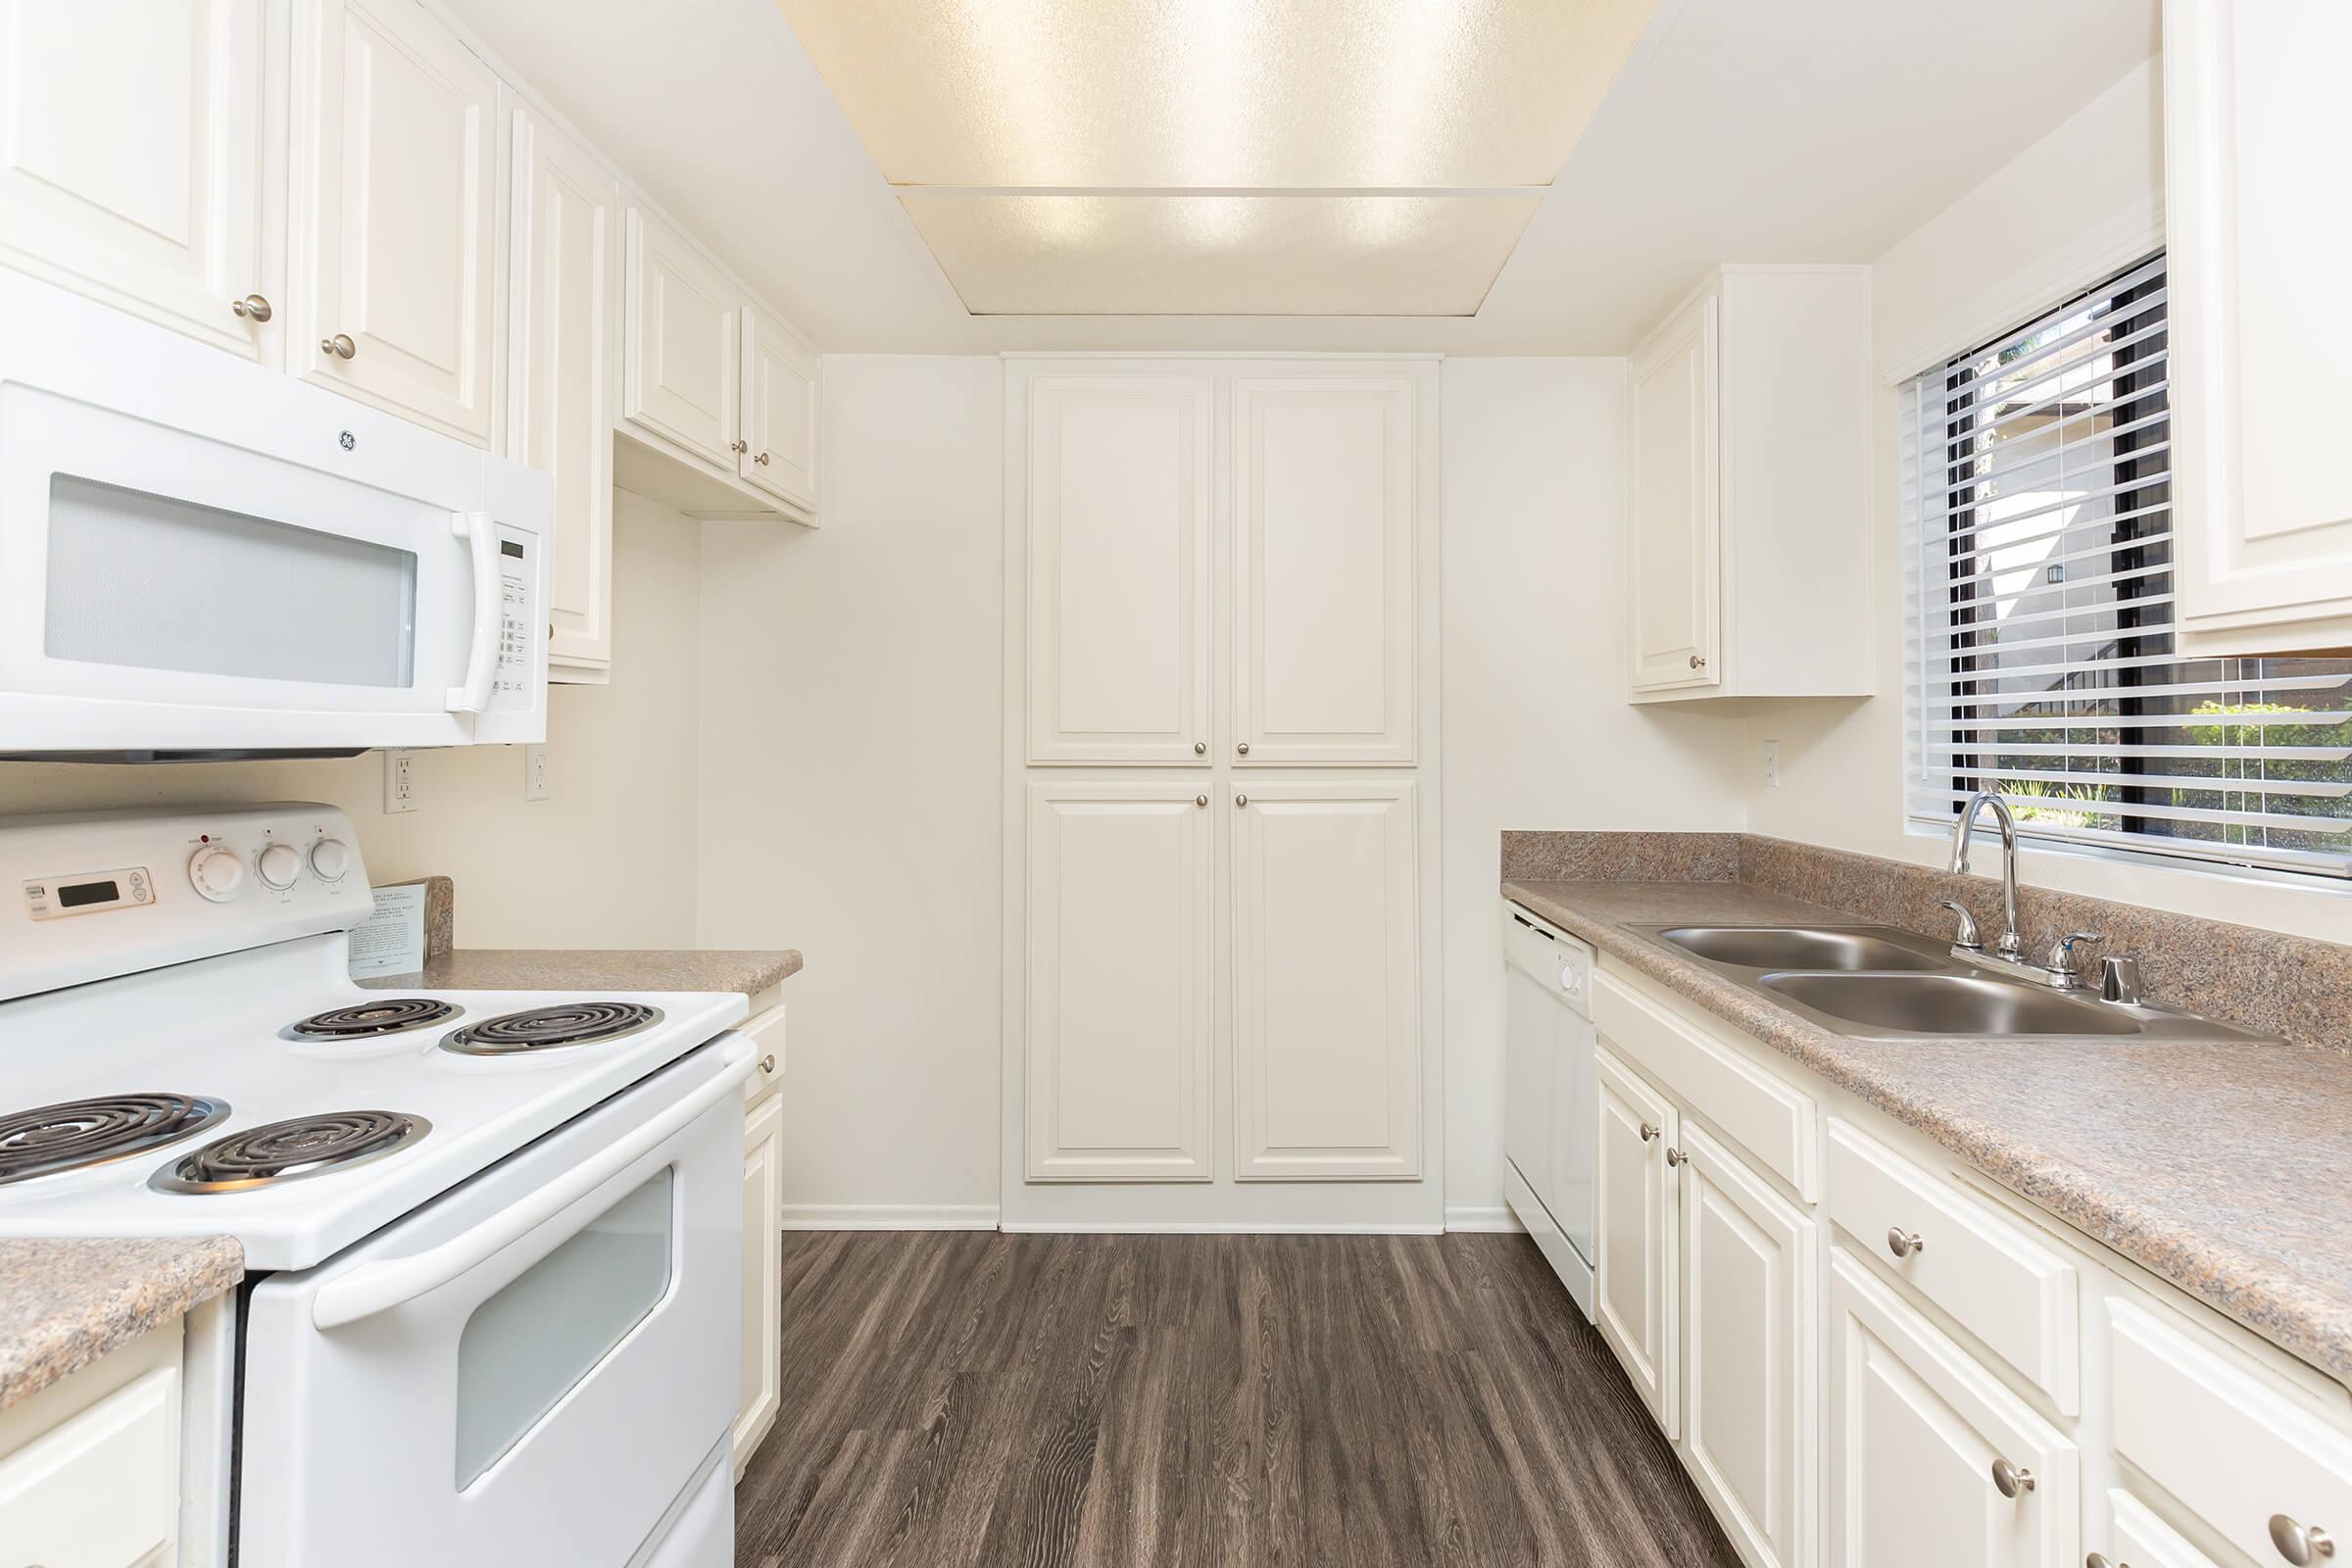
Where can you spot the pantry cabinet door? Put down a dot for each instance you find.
(682, 376)
(1325, 487)
(762, 1276)
(395, 186)
(1676, 565)
(1750, 1362)
(130, 152)
(1118, 540)
(2256, 125)
(1633, 1258)
(1916, 1428)
(1326, 996)
(1119, 1024)
(779, 411)
(564, 305)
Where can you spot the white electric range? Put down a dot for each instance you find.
(492, 1239)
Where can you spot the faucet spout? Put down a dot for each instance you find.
(2011, 943)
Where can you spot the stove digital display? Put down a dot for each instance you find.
(75, 894)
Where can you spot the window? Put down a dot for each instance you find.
(2038, 593)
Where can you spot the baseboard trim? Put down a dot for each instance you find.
(889, 1216)
(1496, 1217)
(1108, 1227)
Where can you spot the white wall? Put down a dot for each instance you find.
(2067, 212)
(851, 788)
(1538, 733)
(608, 860)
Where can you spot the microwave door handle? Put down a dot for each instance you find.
(375, 1288)
(480, 533)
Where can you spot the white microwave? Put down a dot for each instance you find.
(202, 557)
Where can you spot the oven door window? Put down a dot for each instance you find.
(546, 1330)
(157, 583)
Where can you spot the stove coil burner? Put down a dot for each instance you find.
(290, 1151)
(364, 1019)
(80, 1133)
(573, 1023)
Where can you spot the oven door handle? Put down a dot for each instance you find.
(480, 533)
(375, 1288)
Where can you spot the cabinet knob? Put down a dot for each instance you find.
(1200, 799)
(1200, 748)
(2299, 1543)
(1241, 800)
(1698, 662)
(2011, 1481)
(253, 307)
(1648, 1132)
(739, 448)
(767, 1064)
(1674, 1156)
(1902, 1242)
(338, 347)
(1242, 748)
(761, 459)
(2098, 1559)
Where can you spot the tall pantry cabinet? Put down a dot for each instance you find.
(1221, 803)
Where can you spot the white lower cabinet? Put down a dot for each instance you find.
(90, 1465)
(1750, 1359)
(1634, 1262)
(762, 1366)
(2133, 1537)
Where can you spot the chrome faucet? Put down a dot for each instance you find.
(2010, 946)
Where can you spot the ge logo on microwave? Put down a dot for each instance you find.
(346, 440)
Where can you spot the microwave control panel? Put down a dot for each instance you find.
(520, 621)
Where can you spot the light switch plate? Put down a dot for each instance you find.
(400, 782)
(534, 772)
(1772, 764)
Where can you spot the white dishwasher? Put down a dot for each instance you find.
(1548, 1093)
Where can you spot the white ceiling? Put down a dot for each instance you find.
(1754, 130)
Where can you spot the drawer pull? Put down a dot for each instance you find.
(340, 345)
(767, 1064)
(2300, 1544)
(1902, 1242)
(1648, 1132)
(2011, 1481)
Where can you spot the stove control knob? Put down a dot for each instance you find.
(330, 858)
(217, 872)
(278, 865)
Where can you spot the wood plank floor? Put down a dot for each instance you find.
(1034, 1400)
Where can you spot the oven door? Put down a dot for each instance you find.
(532, 1368)
(199, 554)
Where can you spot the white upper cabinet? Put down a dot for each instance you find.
(395, 173)
(779, 411)
(1327, 1009)
(1119, 499)
(1326, 491)
(1748, 561)
(2257, 131)
(683, 344)
(1676, 542)
(130, 159)
(564, 249)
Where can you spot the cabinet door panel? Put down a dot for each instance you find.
(1327, 1004)
(1750, 1366)
(559, 408)
(779, 411)
(1633, 1258)
(1677, 569)
(396, 164)
(1914, 1427)
(682, 379)
(1119, 597)
(1119, 926)
(130, 156)
(1325, 493)
(762, 1276)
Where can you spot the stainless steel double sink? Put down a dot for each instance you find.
(1883, 982)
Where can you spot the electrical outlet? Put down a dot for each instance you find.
(400, 782)
(1772, 764)
(534, 772)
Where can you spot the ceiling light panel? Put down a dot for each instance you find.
(1279, 95)
(1043, 254)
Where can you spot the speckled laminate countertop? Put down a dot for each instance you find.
(64, 1303)
(2224, 1168)
(748, 971)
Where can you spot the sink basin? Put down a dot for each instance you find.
(1949, 1005)
(1844, 948)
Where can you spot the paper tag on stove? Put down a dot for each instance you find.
(392, 941)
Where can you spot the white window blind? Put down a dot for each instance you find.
(2038, 540)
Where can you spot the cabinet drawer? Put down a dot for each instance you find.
(2137, 1538)
(2214, 1435)
(101, 1489)
(1769, 1117)
(1989, 1272)
(765, 1032)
